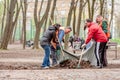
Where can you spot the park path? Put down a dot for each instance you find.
(15, 56)
(61, 74)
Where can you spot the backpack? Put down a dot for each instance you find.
(107, 29)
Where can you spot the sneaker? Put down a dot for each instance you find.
(55, 65)
(46, 67)
(104, 65)
(99, 66)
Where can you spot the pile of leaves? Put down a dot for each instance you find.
(70, 64)
(66, 64)
(85, 64)
(73, 64)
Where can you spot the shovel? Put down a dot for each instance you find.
(80, 58)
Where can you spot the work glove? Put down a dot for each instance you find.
(83, 46)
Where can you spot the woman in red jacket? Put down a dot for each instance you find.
(96, 33)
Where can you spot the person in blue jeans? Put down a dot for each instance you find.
(45, 42)
(55, 52)
(53, 55)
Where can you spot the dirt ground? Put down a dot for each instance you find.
(15, 58)
(19, 64)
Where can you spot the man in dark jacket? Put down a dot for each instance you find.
(45, 42)
(95, 32)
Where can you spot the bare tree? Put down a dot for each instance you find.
(82, 4)
(51, 19)
(24, 11)
(91, 8)
(13, 37)
(52, 12)
(112, 12)
(9, 24)
(101, 7)
(74, 17)
(17, 11)
(69, 21)
(3, 18)
(38, 22)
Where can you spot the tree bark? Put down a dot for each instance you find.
(80, 16)
(38, 23)
(69, 21)
(112, 12)
(24, 11)
(45, 25)
(52, 13)
(101, 7)
(9, 25)
(92, 13)
(13, 38)
(15, 21)
(74, 17)
(3, 19)
(89, 9)
(51, 20)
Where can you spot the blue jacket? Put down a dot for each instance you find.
(61, 35)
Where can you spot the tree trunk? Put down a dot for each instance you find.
(92, 13)
(3, 19)
(45, 25)
(24, 11)
(69, 21)
(80, 16)
(101, 7)
(21, 36)
(89, 9)
(51, 20)
(52, 12)
(13, 38)
(14, 24)
(112, 12)
(9, 25)
(36, 37)
(74, 17)
(38, 23)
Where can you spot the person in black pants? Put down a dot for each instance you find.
(96, 33)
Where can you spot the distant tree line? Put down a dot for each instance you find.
(77, 12)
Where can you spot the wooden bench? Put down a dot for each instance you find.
(114, 44)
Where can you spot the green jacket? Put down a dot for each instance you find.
(104, 26)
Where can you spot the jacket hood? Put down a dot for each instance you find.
(51, 28)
